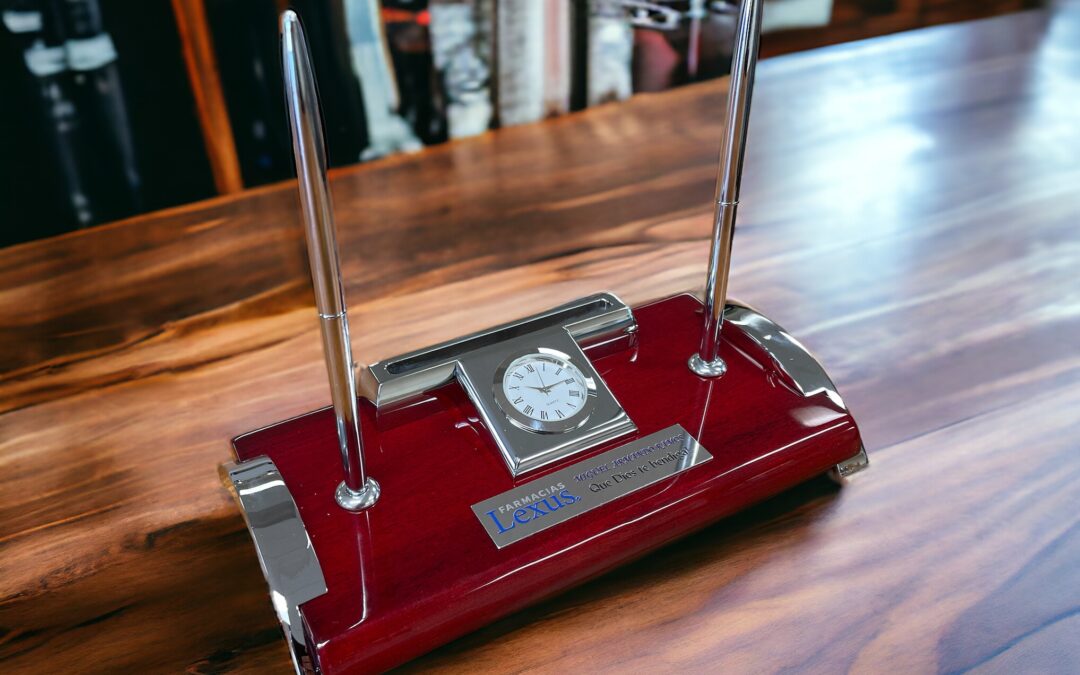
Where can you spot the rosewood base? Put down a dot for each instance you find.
(418, 570)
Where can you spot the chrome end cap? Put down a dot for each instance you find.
(850, 466)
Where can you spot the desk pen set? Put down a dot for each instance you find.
(453, 485)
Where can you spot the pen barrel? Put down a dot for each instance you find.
(337, 349)
(357, 491)
(729, 176)
(309, 151)
(716, 282)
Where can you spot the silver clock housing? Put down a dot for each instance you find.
(473, 360)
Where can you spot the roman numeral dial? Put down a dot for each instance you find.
(546, 389)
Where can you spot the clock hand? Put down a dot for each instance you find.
(547, 389)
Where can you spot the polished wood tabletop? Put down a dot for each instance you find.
(910, 211)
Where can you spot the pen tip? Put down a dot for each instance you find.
(290, 24)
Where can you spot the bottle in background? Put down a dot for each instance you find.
(461, 47)
(387, 131)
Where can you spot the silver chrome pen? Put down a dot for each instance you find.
(707, 361)
(358, 491)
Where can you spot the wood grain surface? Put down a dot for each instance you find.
(909, 211)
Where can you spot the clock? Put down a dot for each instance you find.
(535, 388)
(544, 392)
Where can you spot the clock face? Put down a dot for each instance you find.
(547, 392)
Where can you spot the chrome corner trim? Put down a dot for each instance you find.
(802, 370)
(850, 466)
(789, 355)
(588, 320)
(286, 556)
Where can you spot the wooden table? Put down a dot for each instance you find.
(910, 212)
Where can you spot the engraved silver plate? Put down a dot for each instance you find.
(544, 502)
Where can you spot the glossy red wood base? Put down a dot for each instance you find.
(417, 570)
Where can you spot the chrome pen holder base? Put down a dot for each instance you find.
(700, 366)
(357, 500)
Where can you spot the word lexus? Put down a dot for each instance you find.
(534, 506)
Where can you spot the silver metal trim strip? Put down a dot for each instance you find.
(788, 354)
(285, 553)
(802, 369)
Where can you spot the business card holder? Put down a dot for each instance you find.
(456, 484)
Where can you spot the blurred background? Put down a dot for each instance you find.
(112, 108)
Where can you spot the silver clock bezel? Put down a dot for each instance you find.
(526, 423)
